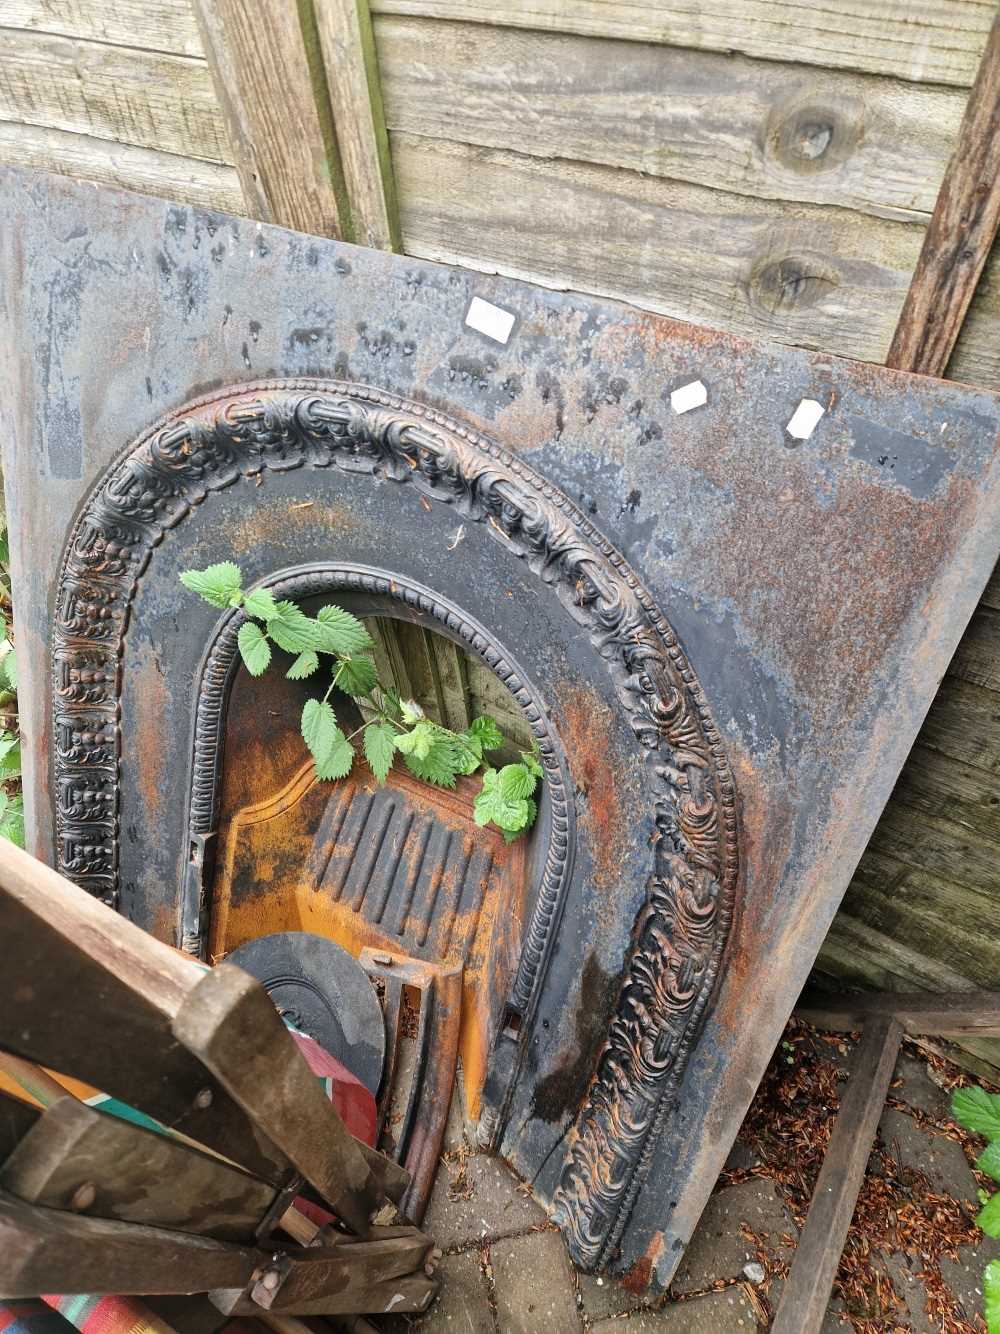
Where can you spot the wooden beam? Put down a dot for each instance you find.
(75, 1157)
(960, 234)
(973, 1013)
(807, 1288)
(355, 92)
(270, 85)
(49, 1250)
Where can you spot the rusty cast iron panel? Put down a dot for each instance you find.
(723, 635)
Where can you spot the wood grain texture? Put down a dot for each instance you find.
(977, 658)
(960, 234)
(815, 277)
(924, 41)
(263, 76)
(752, 127)
(143, 98)
(917, 1012)
(806, 1293)
(354, 88)
(49, 1250)
(964, 723)
(138, 1176)
(147, 170)
(155, 25)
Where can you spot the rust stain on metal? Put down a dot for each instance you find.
(637, 1278)
(590, 745)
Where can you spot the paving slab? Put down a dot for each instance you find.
(462, 1306)
(602, 1296)
(912, 1293)
(965, 1279)
(488, 1204)
(913, 1085)
(534, 1288)
(726, 1312)
(942, 1160)
(717, 1249)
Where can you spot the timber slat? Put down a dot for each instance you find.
(961, 231)
(751, 127)
(814, 276)
(806, 1292)
(148, 170)
(277, 121)
(971, 1012)
(355, 91)
(147, 99)
(925, 41)
(50, 1250)
(138, 1176)
(167, 25)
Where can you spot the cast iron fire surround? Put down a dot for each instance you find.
(815, 591)
(683, 926)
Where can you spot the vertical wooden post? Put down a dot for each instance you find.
(272, 92)
(960, 233)
(348, 44)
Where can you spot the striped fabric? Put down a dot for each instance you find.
(107, 1315)
(30, 1315)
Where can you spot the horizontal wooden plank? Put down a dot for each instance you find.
(818, 277)
(157, 25)
(855, 952)
(109, 92)
(937, 845)
(977, 658)
(919, 1012)
(924, 41)
(187, 180)
(749, 126)
(940, 785)
(948, 923)
(964, 723)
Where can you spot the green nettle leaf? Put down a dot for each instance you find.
(292, 630)
(319, 729)
(380, 745)
(12, 821)
(338, 762)
(340, 632)
(991, 1296)
(411, 711)
(468, 752)
(220, 584)
(10, 668)
(356, 676)
(418, 742)
(988, 1217)
(254, 648)
(487, 733)
(439, 765)
(989, 1160)
(532, 764)
(10, 755)
(261, 604)
(516, 782)
(977, 1110)
(304, 665)
(492, 807)
(3, 626)
(5, 549)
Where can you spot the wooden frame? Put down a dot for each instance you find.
(883, 1019)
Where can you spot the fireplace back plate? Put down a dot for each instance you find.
(725, 637)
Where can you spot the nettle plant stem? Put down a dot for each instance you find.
(392, 725)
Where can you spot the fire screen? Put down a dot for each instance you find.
(717, 581)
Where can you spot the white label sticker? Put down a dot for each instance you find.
(693, 395)
(489, 320)
(805, 419)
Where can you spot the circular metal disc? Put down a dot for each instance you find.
(323, 991)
